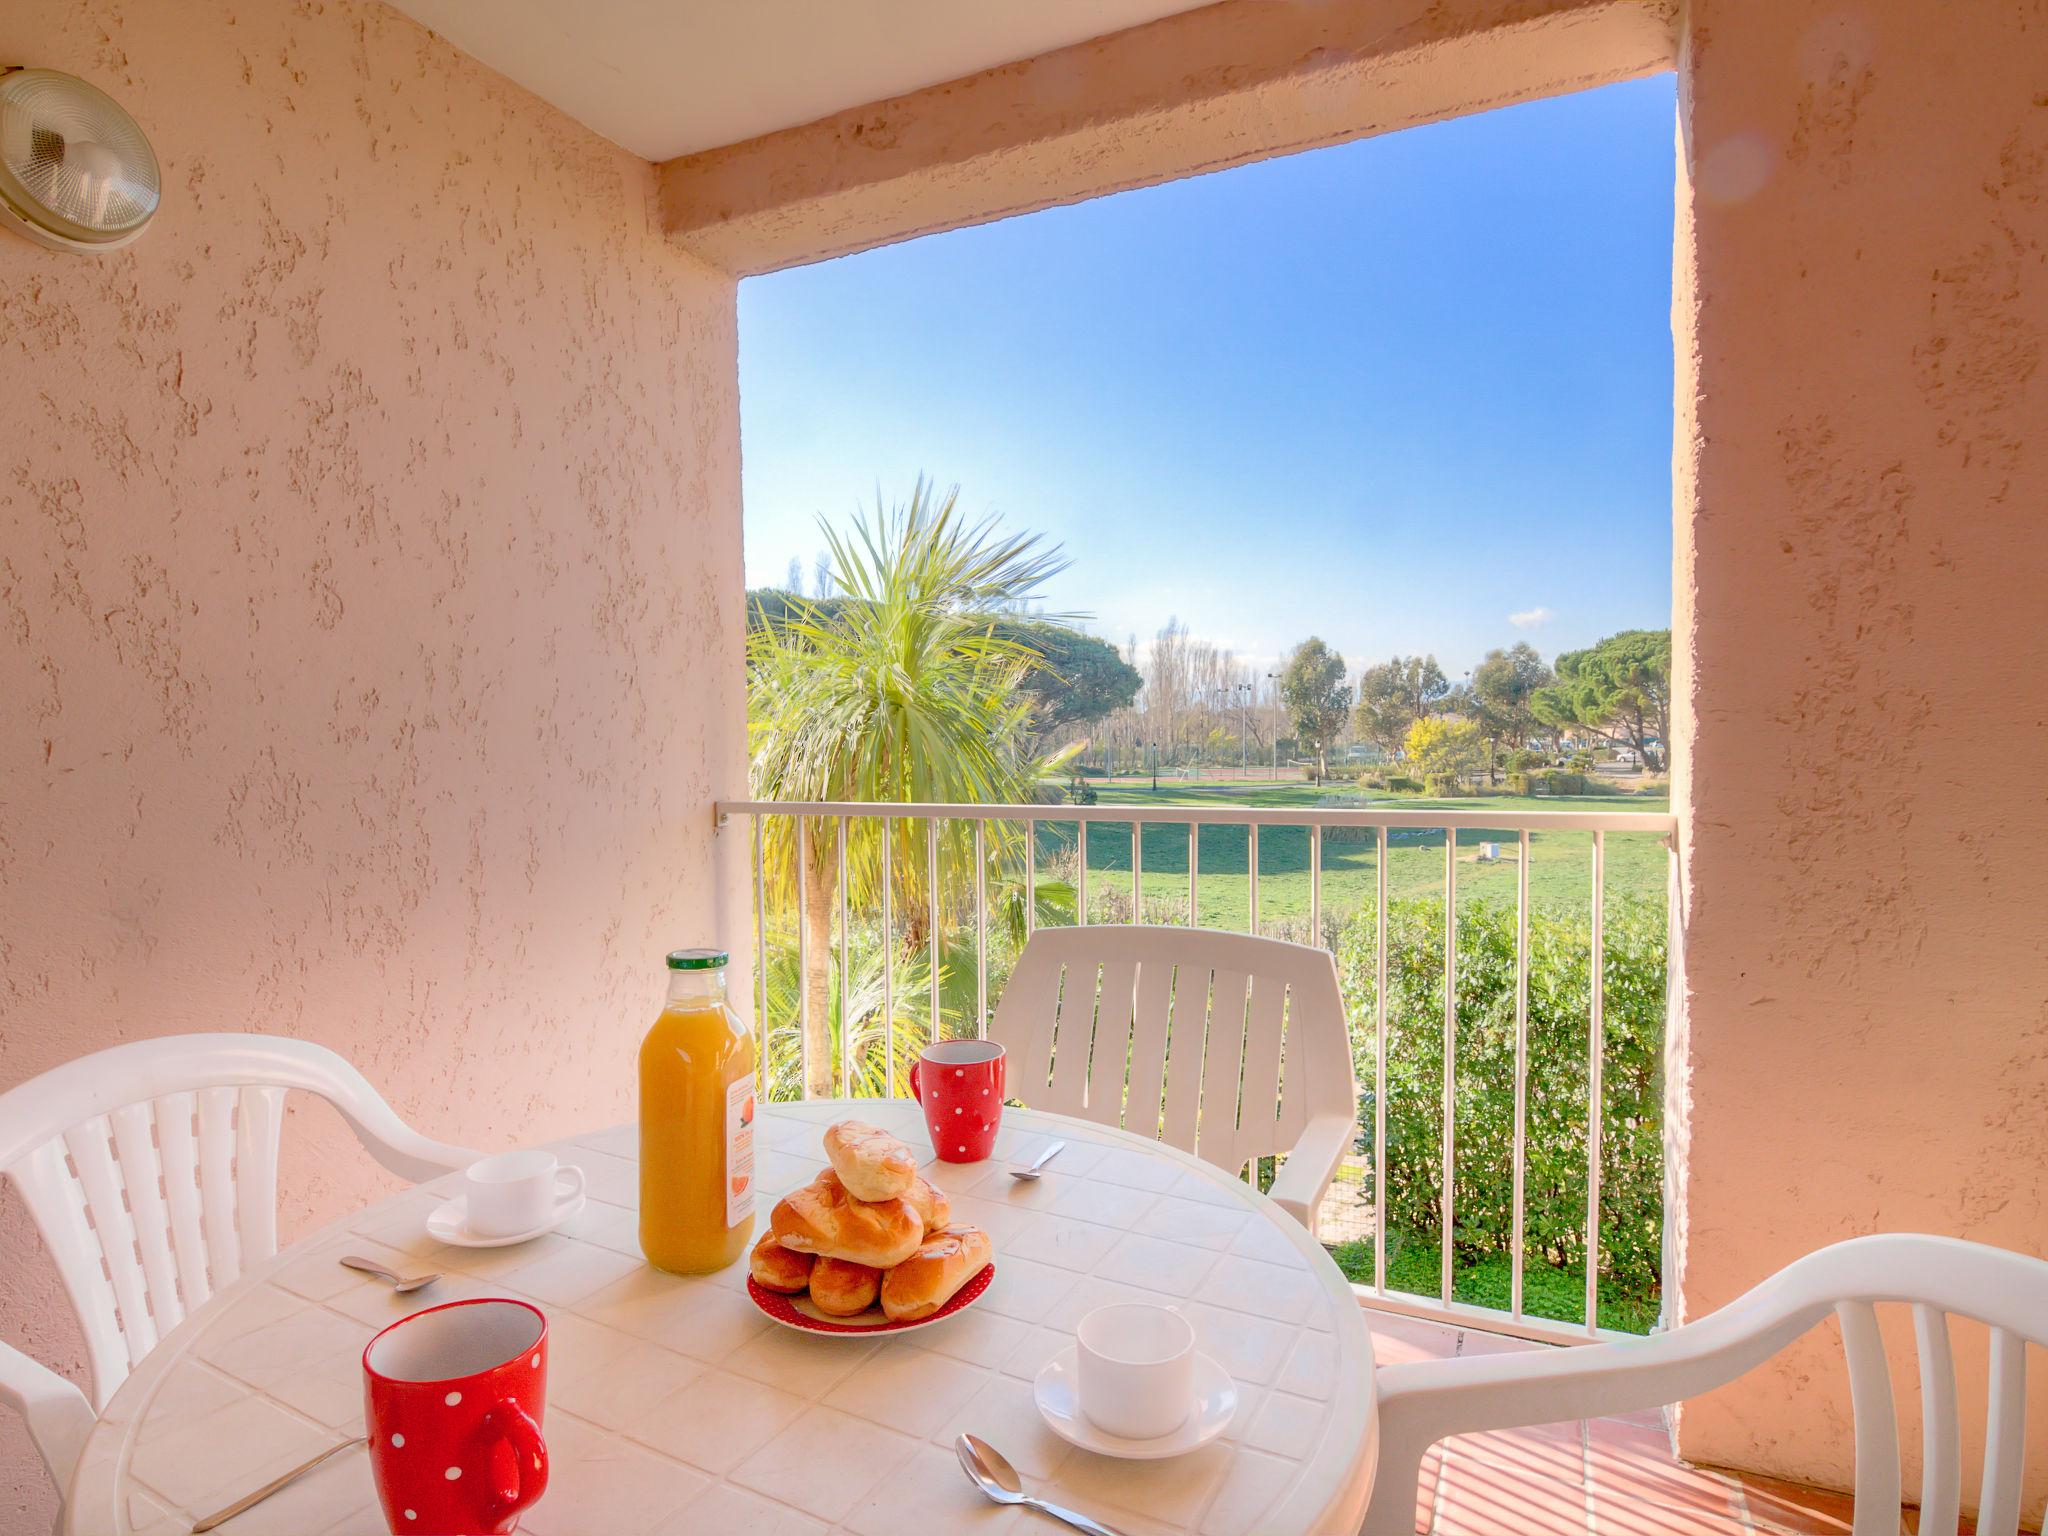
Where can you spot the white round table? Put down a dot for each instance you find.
(674, 1406)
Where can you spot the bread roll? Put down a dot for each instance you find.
(779, 1268)
(840, 1289)
(872, 1164)
(931, 1204)
(822, 1218)
(926, 1281)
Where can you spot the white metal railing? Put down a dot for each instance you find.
(1316, 821)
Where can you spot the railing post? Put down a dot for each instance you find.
(1379, 1079)
(1447, 1210)
(803, 962)
(1081, 882)
(888, 955)
(931, 849)
(1194, 870)
(980, 931)
(1596, 1082)
(1137, 871)
(1030, 878)
(760, 960)
(1315, 883)
(1251, 850)
(844, 1075)
(1521, 1161)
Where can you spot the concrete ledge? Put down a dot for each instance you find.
(1201, 91)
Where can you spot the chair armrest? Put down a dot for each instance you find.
(1432, 1399)
(1298, 1188)
(59, 1417)
(405, 1151)
(383, 1133)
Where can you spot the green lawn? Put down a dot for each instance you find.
(1413, 1266)
(1560, 863)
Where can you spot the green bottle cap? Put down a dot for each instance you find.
(696, 959)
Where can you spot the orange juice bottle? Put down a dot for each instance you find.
(696, 1123)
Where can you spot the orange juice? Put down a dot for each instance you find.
(696, 1123)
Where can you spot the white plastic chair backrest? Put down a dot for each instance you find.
(1938, 1277)
(1221, 1044)
(151, 1172)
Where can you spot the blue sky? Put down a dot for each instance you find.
(1398, 393)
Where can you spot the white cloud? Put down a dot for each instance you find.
(1531, 618)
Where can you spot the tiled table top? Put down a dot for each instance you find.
(675, 1406)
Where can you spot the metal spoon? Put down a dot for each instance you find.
(251, 1500)
(401, 1285)
(1031, 1171)
(994, 1476)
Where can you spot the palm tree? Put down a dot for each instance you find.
(902, 691)
(877, 1029)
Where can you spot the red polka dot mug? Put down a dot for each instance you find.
(452, 1403)
(960, 1085)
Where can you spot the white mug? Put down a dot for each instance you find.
(1135, 1369)
(517, 1192)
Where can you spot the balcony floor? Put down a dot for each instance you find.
(1595, 1477)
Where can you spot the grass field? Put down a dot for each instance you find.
(1560, 863)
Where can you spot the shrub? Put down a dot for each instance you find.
(1522, 760)
(1518, 784)
(1080, 791)
(1631, 1152)
(1443, 747)
(1559, 782)
(1402, 785)
(1444, 785)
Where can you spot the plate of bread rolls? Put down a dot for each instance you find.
(868, 1246)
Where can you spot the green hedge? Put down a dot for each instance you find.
(1631, 1162)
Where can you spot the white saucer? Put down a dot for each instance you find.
(449, 1223)
(1215, 1402)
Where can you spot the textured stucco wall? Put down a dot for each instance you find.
(1863, 534)
(369, 594)
(1197, 91)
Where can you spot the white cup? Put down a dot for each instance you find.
(1135, 1369)
(517, 1192)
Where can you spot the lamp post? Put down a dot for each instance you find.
(1244, 730)
(1274, 677)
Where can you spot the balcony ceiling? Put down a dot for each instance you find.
(664, 78)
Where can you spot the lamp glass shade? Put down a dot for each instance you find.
(73, 164)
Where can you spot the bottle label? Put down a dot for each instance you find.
(739, 1151)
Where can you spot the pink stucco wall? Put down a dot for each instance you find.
(369, 594)
(1862, 476)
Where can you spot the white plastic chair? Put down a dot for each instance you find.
(1224, 1045)
(1422, 1403)
(151, 1172)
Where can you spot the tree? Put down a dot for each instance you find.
(1439, 746)
(1394, 695)
(1075, 679)
(793, 579)
(1503, 688)
(1318, 701)
(1620, 690)
(902, 689)
(778, 606)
